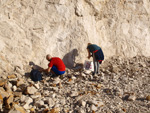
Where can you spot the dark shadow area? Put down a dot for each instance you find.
(69, 58)
(34, 66)
(141, 99)
(125, 98)
(108, 91)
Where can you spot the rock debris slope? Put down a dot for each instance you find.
(29, 29)
(122, 86)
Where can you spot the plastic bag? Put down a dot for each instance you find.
(88, 65)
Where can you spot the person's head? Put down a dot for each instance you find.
(48, 57)
(89, 44)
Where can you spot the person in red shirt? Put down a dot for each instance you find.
(55, 66)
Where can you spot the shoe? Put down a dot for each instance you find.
(98, 73)
(93, 73)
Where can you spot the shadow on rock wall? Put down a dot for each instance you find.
(69, 58)
(33, 66)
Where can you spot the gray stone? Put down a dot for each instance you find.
(132, 97)
(9, 85)
(74, 93)
(27, 106)
(50, 102)
(23, 98)
(46, 93)
(93, 108)
(81, 110)
(14, 111)
(82, 103)
(53, 95)
(36, 95)
(56, 80)
(28, 100)
(31, 90)
(39, 103)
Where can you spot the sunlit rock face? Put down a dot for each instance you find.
(30, 29)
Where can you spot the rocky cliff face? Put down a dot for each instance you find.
(29, 29)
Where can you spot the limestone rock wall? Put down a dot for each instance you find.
(29, 29)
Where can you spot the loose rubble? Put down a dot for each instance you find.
(122, 86)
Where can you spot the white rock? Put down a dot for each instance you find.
(23, 98)
(84, 75)
(46, 93)
(81, 110)
(53, 95)
(35, 96)
(70, 82)
(56, 80)
(46, 84)
(57, 106)
(55, 89)
(37, 85)
(70, 111)
(93, 108)
(87, 72)
(73, 77)
(14, 88)
(74, 93)
(63, 101)
(93, 102)
(50, 102)
(39, 103)
(132, 98)
(100, 103)
(9, 85)
(1, 106)
(27, 106)
(31, 90)
(14, 111)
(82, 103)
(47, 78)
(28, 100)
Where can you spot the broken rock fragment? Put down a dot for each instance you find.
(31, 90)
(82, 103)
(132, 97)
(2, 82)
(8, 101)
(19, 108)
(50, 102)
(11, 76)
(20, 82)
(17, 94)
(148, 98)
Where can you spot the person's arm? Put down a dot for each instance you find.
(89, 55)
(45, 70)
(49, 69)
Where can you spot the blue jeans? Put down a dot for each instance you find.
(56, 71)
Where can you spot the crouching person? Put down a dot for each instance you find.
(55, 66)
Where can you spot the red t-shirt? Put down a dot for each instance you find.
(58, 63)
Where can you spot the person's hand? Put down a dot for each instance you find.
(41, 70)
(88, 57)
